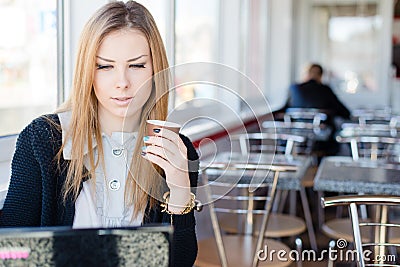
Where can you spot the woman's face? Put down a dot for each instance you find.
(122, 79)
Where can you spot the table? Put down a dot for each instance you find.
(260, 163)
(343, 174)
(363, 176)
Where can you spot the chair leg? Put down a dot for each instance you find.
(278, 200)
(299, 249)
(393, 251)
(308, 219)
(293, 202)
(282, 200)
(320, 210)
(332, 245)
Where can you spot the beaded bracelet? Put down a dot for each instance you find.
(188, 207)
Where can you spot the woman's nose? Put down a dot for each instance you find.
(122, 80)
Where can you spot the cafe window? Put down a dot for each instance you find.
(159, 11)
(351, 41)
(196, 39)
(353, 52)
(28, 62)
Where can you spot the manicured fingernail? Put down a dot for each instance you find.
(156, 130)
(146, 138)
(143, 153)
(144, 148)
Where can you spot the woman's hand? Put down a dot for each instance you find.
(167, 150)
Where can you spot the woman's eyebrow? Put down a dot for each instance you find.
(129, 60)
(105, 59)
(136, 58)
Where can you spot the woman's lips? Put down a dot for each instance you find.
(122, 101)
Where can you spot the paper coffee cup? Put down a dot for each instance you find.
(157, 124)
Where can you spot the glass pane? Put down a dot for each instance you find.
(196, 32)
(28, 62)
(353, 52)
(159, 11)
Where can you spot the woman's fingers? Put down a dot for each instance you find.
(166, 149)
(158, 151)
(176, 176)
(169, 147)
(169, 140)
(168, 134)
(163, 163)
(176, 161)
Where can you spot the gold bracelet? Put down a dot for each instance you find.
(188, 207)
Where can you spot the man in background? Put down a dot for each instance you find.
(314, 94)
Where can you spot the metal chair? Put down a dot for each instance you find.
(312, 132)
(316, 122)
(242, 249)
(282, 225)
(378, 239)
(365, 149)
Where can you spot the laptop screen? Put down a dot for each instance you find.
(64, 246)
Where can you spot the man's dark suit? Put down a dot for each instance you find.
(312, 94)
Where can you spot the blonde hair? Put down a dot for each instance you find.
(144, 180)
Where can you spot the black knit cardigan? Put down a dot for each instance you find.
(34, 196)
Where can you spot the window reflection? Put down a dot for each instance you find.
(159, 11)
(353, 52)
(28, 55)
(196, 41)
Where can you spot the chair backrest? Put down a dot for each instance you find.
(221, 179)
(378, 115)
(308, 130)
(351, 128)
(375, 249)
(373, 147)
(315, 116)
(367, 117)
(280, 143)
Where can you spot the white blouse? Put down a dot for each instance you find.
(103, 204)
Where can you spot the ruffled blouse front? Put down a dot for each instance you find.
(102, 204)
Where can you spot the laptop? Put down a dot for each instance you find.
(64, 246)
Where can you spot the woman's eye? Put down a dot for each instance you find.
(137, 66)
(103, 67)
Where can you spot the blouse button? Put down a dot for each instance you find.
(117, 151)
(114, 185)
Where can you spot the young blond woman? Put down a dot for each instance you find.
(92, 164)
